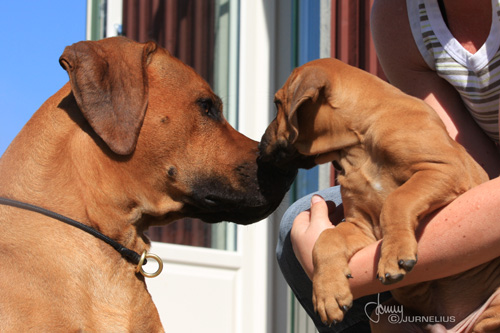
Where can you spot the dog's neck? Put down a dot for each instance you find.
(63, 171)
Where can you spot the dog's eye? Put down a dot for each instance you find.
(277, 103)
(208, 108)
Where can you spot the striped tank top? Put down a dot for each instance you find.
(475, 76)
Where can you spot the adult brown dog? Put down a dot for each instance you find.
(397, 164)
(136, 138)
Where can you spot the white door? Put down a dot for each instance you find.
(209, 290)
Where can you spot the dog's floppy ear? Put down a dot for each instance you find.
(310, 115)
(317, 115)
(305, 89)
(110, 84)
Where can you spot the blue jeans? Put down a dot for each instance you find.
(355, 320)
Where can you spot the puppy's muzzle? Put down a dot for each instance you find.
(282, 154)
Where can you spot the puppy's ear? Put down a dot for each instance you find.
(305, 91)
(311, 116)
(110, 84)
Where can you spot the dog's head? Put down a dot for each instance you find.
(162, 128)
(312, 121)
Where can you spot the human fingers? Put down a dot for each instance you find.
(306, 229)
(321, 212)
(302, 225)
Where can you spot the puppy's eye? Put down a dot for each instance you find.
(277, 104)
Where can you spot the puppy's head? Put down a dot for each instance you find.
(309, 126)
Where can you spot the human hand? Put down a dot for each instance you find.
(307, 227)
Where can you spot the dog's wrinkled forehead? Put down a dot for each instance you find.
(283, 97)
(295, 81)
(303, 81)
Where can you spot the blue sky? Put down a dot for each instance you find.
(33, 35)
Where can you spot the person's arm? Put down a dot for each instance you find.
(462, 235)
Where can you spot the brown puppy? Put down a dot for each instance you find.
(397, 164)
(136, 138)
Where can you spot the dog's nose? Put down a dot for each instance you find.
(212, 201)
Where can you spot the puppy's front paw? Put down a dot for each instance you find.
(332, 297)
(397, 258)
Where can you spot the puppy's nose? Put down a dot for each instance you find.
(264, 152)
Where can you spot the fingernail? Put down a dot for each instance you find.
(315, 199)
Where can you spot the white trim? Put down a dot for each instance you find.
(234, 18)
(88, 28)
(486, 52)
(257, 37)
(256, 72)
(324, 170)
(325, 28)
(114, 19)
(416, 30)
(111, 13)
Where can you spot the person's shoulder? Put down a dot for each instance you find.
(393, 37)
(390, 24)
(390, 12)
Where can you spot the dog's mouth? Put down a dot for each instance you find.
(213, 210)
(215, 199)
